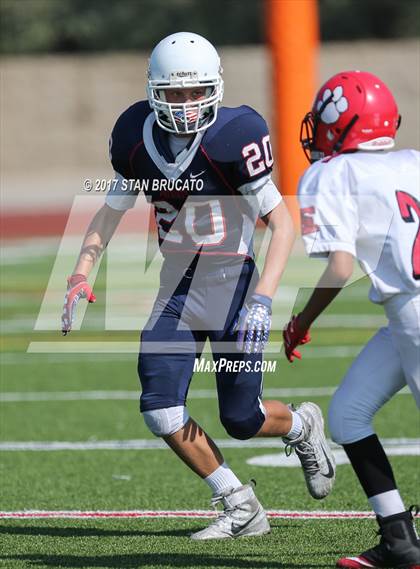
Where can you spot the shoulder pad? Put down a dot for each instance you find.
(127, 132)
(129, 126)
(324, 176)
(234, 129)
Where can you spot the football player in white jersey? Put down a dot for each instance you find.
(361, 201)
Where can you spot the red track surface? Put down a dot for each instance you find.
(20, 225)
(16, 225)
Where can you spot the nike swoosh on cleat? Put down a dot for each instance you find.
(330, 472)
(193, 176)
(238, 528)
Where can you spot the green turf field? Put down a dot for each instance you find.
(38, 407)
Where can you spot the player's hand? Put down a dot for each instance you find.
(254, 324)
(294, 336)
(77, 288)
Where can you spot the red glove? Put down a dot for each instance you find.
(293, 336)
(77, 288)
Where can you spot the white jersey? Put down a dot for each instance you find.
(368, 204)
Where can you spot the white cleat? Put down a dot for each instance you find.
(313, 451)
(242, 516)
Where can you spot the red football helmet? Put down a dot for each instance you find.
(354, 110)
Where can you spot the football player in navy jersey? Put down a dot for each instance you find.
(206, 171)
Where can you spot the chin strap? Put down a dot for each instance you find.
(339, 143)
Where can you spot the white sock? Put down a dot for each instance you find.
(387, 503)
(296, 428)
(222, 478)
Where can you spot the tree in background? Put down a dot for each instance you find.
(44, 26)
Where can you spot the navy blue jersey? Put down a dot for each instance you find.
(204, 199)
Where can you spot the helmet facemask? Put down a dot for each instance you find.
(189, 117)
(308, 132)
(307, 138)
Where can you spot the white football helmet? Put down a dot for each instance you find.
(184, 60)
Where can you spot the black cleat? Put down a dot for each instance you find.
(399, 546)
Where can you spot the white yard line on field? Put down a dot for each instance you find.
(280, 459)
(157, 444)
(24, 324)
(78, 514)
(86, 347)
(342, 321)
(34, 396)
(103, 352)
(134, 444)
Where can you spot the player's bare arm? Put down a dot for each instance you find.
(333, 279)
(282, 238)
(255, 319)
(98, 235)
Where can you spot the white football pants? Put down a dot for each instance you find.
(388, 362)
